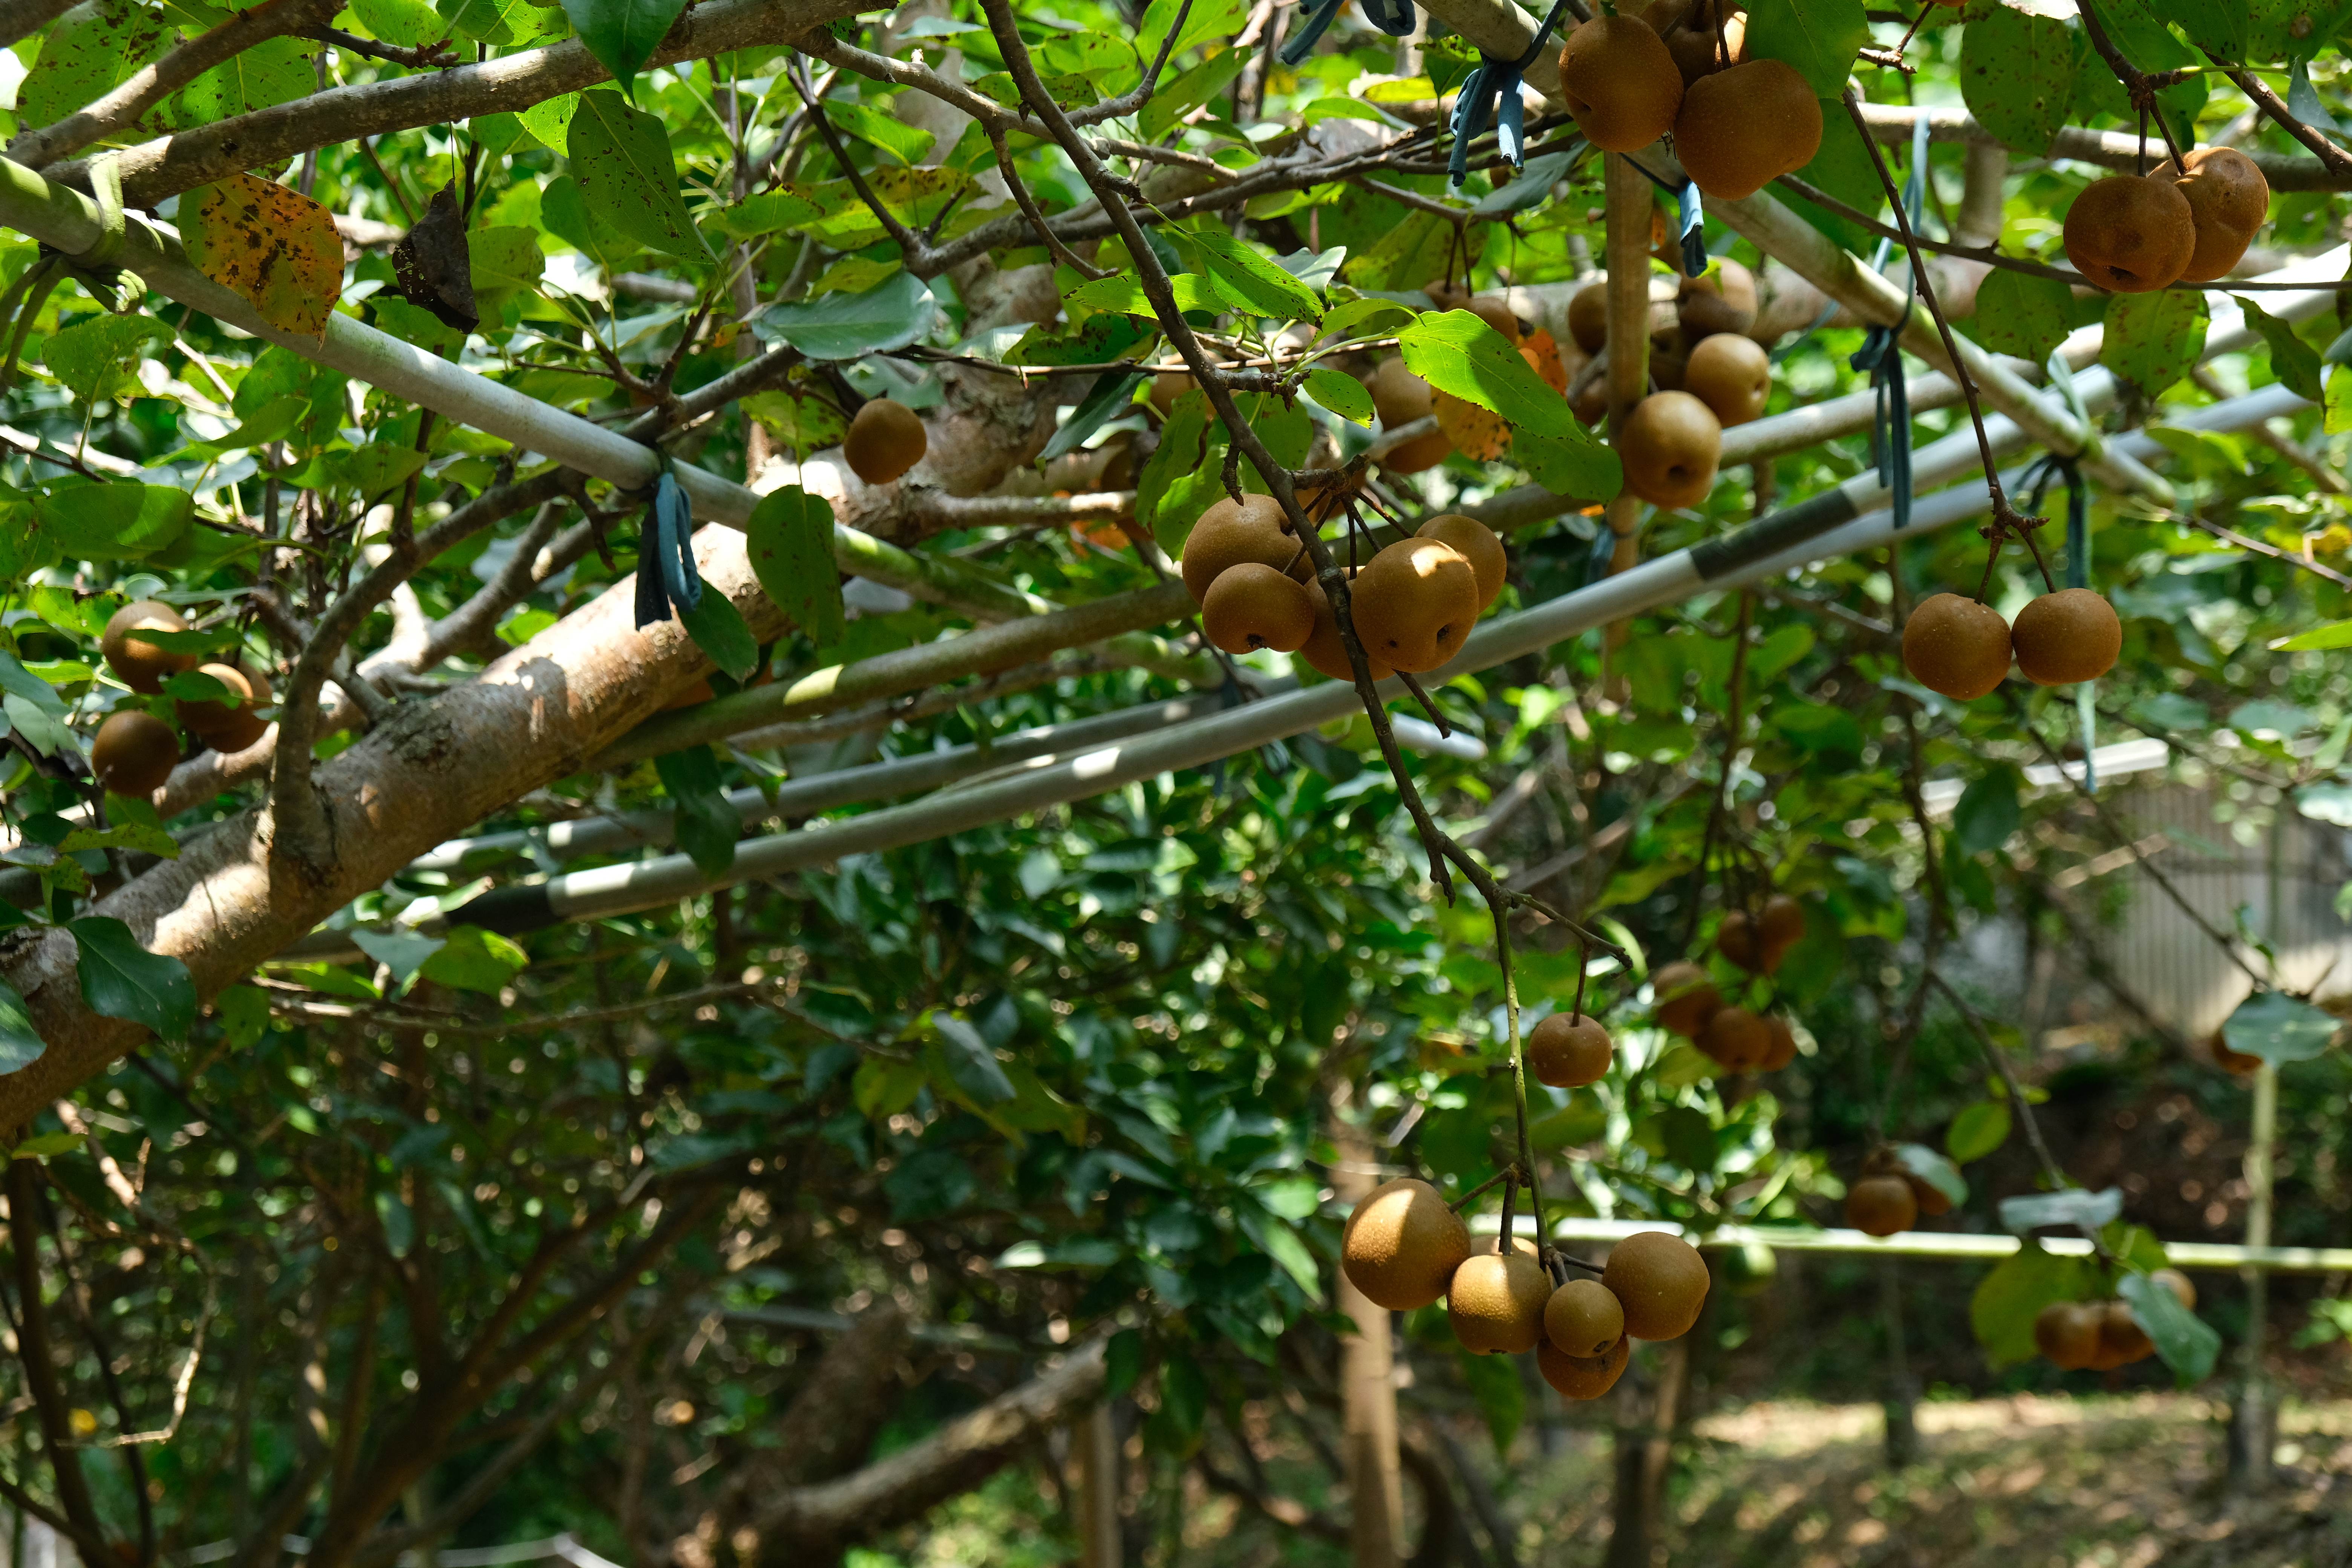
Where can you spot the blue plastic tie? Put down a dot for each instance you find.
(1492, 89)
(1393, 17)
(1882, 355)
(667, 580)
(1299, 44)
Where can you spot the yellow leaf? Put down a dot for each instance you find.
(275, 248)
(83, 1423)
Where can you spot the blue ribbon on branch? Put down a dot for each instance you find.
(1492, 91)
(1882, 354)
(668, 578)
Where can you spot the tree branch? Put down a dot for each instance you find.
(2332, 158)
(121, 106)
(302, 829)
(952, 1459)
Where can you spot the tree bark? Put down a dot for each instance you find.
(226, 904)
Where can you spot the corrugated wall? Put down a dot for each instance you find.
(2286, 880)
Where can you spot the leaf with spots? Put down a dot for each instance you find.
(275, 248)
(2017, 76)
(627, 177)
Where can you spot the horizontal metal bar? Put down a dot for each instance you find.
(1963, 1246)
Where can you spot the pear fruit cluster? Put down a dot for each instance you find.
(1709, 375)
(1962, 648)
(134, 751)
(1737, 1039)
(2099, 1336)
(2132, 233)
(1405, 1247)
(1888, 1199)
(1246, 570)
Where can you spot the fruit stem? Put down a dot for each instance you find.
(2136, 83)
(1996, 533)
(1500, 909)
(1459, 1203)
(2048, 583)
(2002, 509)
(1583, 972)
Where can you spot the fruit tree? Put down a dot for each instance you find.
(765, 760)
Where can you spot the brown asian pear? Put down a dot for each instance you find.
(2069, 635)
(143, 665)
(1414, 601)
(1251, 606)
(885, 439)
(1660, 1279)
(1619, 82)
(1740, 128)
(1569, 1053)
(133, 753)
(1495, 1302)
(2131, 234)
(1732, 375)
(1402, 1244)
(1955, 645)
(1670, 445)
(1233, 532)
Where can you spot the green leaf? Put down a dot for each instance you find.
(1122, 294)
(1820, 38)
(1122, 1362)
(627, 178)
(851, 326)
(1185, 91)
(374, 469)
(884, 1085)
(1183, 1401)
(86, 53)
(623, 34)
(504, 260)
(2338, 415)
(2153, 339)
(2334, 634)
(19, 682)
(1932, 1168)
(1281, 1243)
(401, 951)
(2020, 314)
(47, 1146)
(564, 210)
(2017, 76)
(2294, 362)
(1456, 352)
(1532, 188)
(263, 76)
(902, 141)
(550, 120)
(114, 522)
(1112, 392)
(244, 1014)
(1252, 282)
(2279, 1028)
(720, 630)
(1581, 466)
(502, 22)
(20, 1045)
(1501, 1397)
(2007, 1300)
(122, 979)
(707, 823)
(1342, 393)
(2187, 1343)
(969, 1062)
(1179, 455)
(406, 23)
(768, 212)
(1977, 1131)
(2218, 27)
(790, 540)
(1405, 254)
(88, 357)
(1988, 810)
(473, 959)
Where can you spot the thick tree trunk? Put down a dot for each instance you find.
(435, 768)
